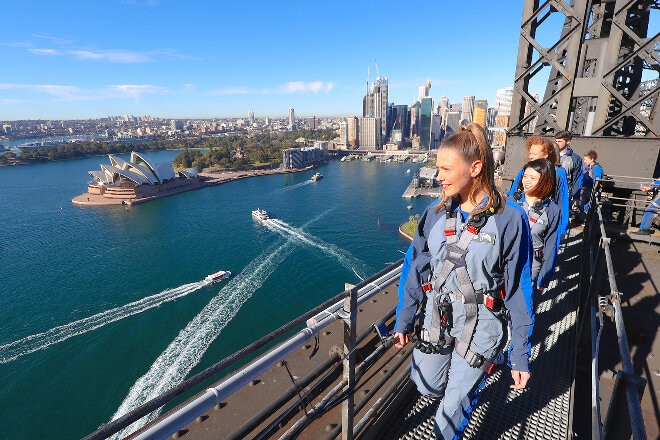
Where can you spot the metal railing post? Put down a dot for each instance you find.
(350, 328)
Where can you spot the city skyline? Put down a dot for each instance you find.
(87, 61)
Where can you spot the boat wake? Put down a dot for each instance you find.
(345, 259)
(297, 185)
(187, 349)
(40, 341)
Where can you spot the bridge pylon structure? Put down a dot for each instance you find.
(598, 70)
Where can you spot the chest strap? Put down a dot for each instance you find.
(455, 262)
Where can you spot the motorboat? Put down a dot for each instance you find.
(217, 276)
(317, 176)
(260, 214)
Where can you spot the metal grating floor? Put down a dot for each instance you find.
(542, 410)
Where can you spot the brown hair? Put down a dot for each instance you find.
(471, 144)
(549, 148)
(592, 154)
(546, 183)
(565, 135)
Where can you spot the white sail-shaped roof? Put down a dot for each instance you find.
(139, 170)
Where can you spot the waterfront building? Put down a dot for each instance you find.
(370, 134)
(296, 158)
(353, 131)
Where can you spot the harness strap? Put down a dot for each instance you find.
(455, 261)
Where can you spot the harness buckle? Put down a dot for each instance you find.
(449, 232)
(427, 287)
(493, 303)
(471, 229)
(475, 360)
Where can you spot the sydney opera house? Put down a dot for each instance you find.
(139, 179)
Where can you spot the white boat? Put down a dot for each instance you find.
(217, 276)
(260, 214)
(317, 176)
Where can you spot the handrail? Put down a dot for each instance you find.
(632, 385)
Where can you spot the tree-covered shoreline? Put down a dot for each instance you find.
(227, 152)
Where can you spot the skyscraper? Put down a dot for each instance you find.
(503, 99)
(292, 119)
(375, 105)
(480, 112)
(467, 109)
(425, 111)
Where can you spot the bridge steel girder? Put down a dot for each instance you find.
(595, 86)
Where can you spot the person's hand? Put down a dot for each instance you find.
(401, 339)
(520, 379)
(645, 187)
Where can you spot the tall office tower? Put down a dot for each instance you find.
(370, 134)
(343, 133)
(313, 123)
(353, 132)
(452, 122)
(251, 117)
(374, 104)
(425, 111)
(414, 120)
(292, 119)
(480, 112)
(467, 109)
(424, 91)
(401, 119)
(436, 131)
(503, 100)
(443, 108)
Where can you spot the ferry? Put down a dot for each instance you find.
(260, 214)
(317, 176)
(217, 276)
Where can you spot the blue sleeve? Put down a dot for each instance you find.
(598, 172)
(550, 247)
(514, 185)
(405, 268)
(517, 258)
(563, 200)
(418, 273)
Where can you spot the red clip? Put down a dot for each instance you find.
(449, 232)
(489, 301)
(490, 368)
(426, 287)
(472, 229)
(502, 292)
(532, 219)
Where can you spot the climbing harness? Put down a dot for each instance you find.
(434, 338)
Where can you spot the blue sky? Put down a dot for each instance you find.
(87, 59)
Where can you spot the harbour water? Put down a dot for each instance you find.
(103, 308)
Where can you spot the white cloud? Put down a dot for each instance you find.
(289, 88)
(113, 56)
(136, 91)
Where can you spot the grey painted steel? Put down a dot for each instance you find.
(172, 422)
(633, 156)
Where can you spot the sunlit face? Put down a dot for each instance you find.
(588, 161)
(536, 151)
(530, 180)
(454, 175)
(562, 144)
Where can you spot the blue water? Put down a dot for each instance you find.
(97, 302)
